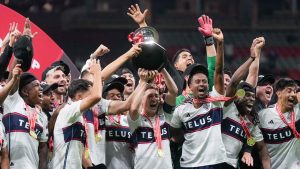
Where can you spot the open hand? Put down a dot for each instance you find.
(206, 27)
(247, 159)
(136, 14)
(27, 29)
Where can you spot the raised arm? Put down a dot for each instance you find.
(4, 92)
(255, 51)
(136, 14)
(116, 107)
(239, 74)
(206, 28)
(7, 46)
(218, 77)
(96, 91)
(172, 88)
(116, 64)
(263, 154)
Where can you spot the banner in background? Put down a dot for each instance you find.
(46, 51)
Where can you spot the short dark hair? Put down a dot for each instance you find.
(78, 85)
(83, 73)
(176, 56)
(283, 83)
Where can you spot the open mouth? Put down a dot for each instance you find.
(268, 93)
(291, 100)
(189, 62)
(153, 104)
(129, 84)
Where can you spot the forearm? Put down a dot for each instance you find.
(218, 76)
(136, 102)
(264, 155)
(4, 159)
(5, 58)
(143, 24)
(4, 92)
(237, 77)
(171, 85)
(252, 77)
(43, 154)
(97, 85)
(211, 65)
(114, 66)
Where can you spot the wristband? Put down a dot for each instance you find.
(209, 40)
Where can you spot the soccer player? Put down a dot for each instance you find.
(149, 122)
(279, 124)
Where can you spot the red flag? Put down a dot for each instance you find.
(46, 51)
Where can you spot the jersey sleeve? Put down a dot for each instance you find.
(133, 124)
(103, 105)
(3, 135)
(45, 133)
(256, 134)
(71, 112)
(211, 64)
(175, 121)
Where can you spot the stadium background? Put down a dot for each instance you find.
(79, 26)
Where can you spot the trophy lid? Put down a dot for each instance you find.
(148, 33)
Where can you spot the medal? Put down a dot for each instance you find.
(33, 134)
(86, 153)
(98, 137)
(240, 93)
(157, 133)
(160, 152)
(250, 141)
(291, 125)
(32, 116)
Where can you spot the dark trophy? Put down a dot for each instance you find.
(153, 56)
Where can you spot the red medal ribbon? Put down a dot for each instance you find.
(157, 132)
(96, 120)
(86, 139)
(291, 125)
(113, 120)
(31, 118)
(244, 126)
(210, 99)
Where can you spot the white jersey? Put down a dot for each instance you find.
(119, 145)
(283, 146)
(2, 136)
(23, 148)
(233, 134)
(203, 143)
(146, 156)
(69, 137)
(97, 149)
